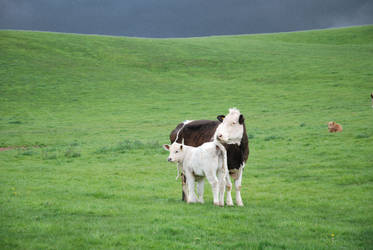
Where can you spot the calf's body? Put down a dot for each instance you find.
(208, 160)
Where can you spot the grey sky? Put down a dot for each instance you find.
(182, 18)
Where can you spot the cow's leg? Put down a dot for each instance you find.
(237, 184)
(200, 189)
(229, 190)
(190, 185)
(221, 180)
(213, 180)
(184, 189)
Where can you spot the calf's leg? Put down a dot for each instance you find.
(190, 182)
(200, 189)
(221, 180)
(213, 180)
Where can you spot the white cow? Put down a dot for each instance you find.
(208, 160)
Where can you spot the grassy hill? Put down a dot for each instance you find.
(86, 116)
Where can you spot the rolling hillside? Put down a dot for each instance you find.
(83, 119)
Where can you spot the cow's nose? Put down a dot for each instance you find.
(220, 135)
(169, 159)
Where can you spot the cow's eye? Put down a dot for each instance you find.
(176, 152)
(234, 123)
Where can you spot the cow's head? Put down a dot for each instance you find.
(176, 152)
(231, 129)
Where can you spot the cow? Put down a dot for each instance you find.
(334, 127)
(230, 130)
(371, 96)
(208, 160)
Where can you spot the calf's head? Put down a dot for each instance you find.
(231, 129)
(176, 152)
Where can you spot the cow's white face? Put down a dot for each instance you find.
(231, 129)
(176, 152)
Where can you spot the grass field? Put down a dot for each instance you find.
(86, 117)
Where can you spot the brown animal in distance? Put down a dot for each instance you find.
(334, 127)
(371, 96)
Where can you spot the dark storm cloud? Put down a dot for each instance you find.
(181, 18)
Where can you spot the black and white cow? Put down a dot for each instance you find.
(231, 132)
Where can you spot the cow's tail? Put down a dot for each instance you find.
(224, 154)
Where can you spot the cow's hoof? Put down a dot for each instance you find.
(230, 204)
(221, 204)
(240, 204)
(216, 203)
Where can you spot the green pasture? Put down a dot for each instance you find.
(85, 117)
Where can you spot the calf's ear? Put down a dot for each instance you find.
(166, 147)
(220, 117)
(241, 119)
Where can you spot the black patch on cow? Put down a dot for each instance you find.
(234, 156)
(194, 133)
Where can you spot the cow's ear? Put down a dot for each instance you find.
(220, 117)
(166, 147)
(241, 119)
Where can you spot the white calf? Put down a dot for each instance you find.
(208, 160)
